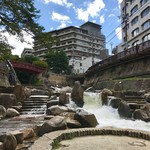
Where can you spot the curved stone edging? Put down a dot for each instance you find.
(58, 136)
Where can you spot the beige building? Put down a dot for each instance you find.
(136, 22)
(79, 44)
(27, 52)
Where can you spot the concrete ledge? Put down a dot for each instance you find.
(47, 140)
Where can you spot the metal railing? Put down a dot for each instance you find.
(130, 53)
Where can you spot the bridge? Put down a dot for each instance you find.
(26, 66)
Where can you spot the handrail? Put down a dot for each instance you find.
(122, 55)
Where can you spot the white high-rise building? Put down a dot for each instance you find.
(136, 22)
(84, 46)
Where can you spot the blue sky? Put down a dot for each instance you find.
(56, 14)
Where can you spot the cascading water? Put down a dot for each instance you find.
(108, 116)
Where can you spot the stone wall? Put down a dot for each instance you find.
(133, 73)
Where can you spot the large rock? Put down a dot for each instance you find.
(19, 91)
(56, 110)
(114, 101)
(104, 96)
(18, 135)
(124, 110)
(7, 100)
(28, 133)
(10, 112)
(63, 99)
(9, 141)
(39, 92)
(1, 146)
(86, 119)
(2, 111)
(143, 113)
(148, 98)
(56, 123)
(77, 94)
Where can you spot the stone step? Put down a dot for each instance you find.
(28, 112)
(134, 106)
(133, 97)
(35, 102)
(136, 101)
(39, 106)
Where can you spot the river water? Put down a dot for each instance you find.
(108, 116)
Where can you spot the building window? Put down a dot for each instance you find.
(135, 32)
(134, 21)
(146, 37)
(142, 2)
(134, 9)
(135, 43)
(146, 25)
(145, 12)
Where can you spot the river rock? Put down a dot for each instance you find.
(63, 99)
(7, 100)
(9, 141)
(114, 101)
(28, 133)
(1, 146)
(77, 94)
(143, 113)
(56, 110)
(86, 119)
(124, 110)
(73, 124)
(10, 112)
(104, 96)
(18, 135)
(118, 86)
(56, 123)
(2, 111)
(19, 91)
(148, 98)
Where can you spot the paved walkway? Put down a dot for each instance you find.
(94, 142)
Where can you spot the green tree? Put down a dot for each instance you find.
(58, 62)
(19, 15)
(40, 63)
(29, 59)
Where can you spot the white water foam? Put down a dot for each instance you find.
(108, 116)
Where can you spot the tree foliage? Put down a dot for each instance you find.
(58, 62)
(19, 15)
(40, 63)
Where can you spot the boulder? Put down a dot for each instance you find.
(56, 123)
(28, 133)
(124, 110)
(27, 92)
(63, 99)
(7, 100)
(56, 110)
(77, 94)
(1, 146)
(2, 111)
(114, 101)
(9, 141)
(148, 98)
(10, 112)
(118, 86)
(104, 96)
(73, 124)
(52, 103)
(19, 91)
(66, 89)
(86, 119)
(143, 113)
(18, 135)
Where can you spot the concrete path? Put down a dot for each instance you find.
(94, 139)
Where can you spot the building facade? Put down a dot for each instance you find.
(83, 46)
(135, 22)
(27, 52)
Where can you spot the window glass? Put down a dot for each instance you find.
(134, 9)
(143, 2)
(146, 38)
(146, 25)
(145, 12)
(134, 21)
(135, 32)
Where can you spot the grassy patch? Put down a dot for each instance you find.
(55, 145)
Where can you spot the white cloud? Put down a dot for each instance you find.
(102, 20)
(17, 44)
(59, 2)
(119, 33)
(92, 10)
(111, 15)
(60, 18)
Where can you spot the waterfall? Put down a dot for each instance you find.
(108, 116)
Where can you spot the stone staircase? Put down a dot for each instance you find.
(134, 99)
(35, 104)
